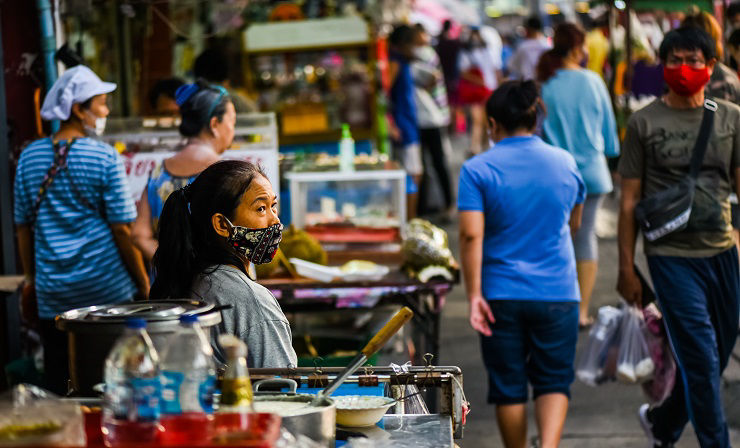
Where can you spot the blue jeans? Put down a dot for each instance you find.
(699, 299)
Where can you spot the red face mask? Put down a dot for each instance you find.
(685, 80)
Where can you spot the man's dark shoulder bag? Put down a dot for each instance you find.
(668, 211)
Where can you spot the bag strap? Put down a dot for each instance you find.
(58, 163)
(702, 141)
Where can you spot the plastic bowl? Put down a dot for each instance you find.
(359, 411)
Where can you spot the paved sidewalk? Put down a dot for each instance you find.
(602, 417)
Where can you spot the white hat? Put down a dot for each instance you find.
(76, 85)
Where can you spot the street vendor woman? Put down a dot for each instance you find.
(208, 120)
(209, 232)
(73, 215)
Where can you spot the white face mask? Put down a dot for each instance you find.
(99, 125)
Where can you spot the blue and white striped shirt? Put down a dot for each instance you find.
(77, 260)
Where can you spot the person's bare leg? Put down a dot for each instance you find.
(586, 280)
(512, 424)
(550, 412)
(412, 200)
(478, 115)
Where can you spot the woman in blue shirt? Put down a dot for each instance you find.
(208, 120)
(519, 203)
(580, 119)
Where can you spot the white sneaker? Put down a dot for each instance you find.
(647, 427)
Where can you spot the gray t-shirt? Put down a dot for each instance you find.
(657, 149)
(254, 316)
(724, 84)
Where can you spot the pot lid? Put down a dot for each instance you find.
(151, 310)
(143, 310)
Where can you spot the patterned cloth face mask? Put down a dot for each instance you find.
(256, 245)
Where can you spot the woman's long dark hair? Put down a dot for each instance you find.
(567, 37)
(188, 243)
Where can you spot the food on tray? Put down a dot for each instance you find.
(359, 267)
(361, 402)
(16, 431)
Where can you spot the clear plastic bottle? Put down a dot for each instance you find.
(189, 380)
(132, 389)
(346, 150)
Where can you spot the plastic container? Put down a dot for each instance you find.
(327, 274)
(132, 389)
(346, 150)
(189, 380)
(315, 271)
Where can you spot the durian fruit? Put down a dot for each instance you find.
(425, 244)
(298, 243)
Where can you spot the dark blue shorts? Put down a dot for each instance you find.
(533, 342)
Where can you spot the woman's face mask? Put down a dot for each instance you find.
(99, 127)
(256, 245)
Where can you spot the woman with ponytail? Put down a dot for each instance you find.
(581, 120)
(208, 120)
(209, 233)
(519, 203)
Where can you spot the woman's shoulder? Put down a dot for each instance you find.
(227, 280)
(95, 146)
(224, 284)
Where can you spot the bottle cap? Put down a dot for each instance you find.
(135, 323)
(188, 319)
(233, 346)
(345, 131)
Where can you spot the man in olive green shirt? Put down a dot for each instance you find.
(695, 270)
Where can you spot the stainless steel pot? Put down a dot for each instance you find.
(319, 423)
(93, 330)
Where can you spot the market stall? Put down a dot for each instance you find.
(316, 74)
(146, 141)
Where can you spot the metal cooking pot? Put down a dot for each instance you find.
(319, 423)
(93, 330)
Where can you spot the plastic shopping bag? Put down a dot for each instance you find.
(660, 386)
(597, 363)
(31, 416)
(634, 364)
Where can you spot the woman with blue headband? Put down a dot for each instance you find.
(208, 120)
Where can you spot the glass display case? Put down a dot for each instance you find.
(356, 206)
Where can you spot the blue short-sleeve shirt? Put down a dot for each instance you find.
(77, 261)
(526, 190)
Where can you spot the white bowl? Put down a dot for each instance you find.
(360, 411)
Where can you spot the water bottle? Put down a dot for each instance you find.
(346, 150)
(132, 389)
(189, 380)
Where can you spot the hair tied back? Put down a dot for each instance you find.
(184, 92)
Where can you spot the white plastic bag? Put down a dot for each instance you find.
(634, 363)
(597, 361)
